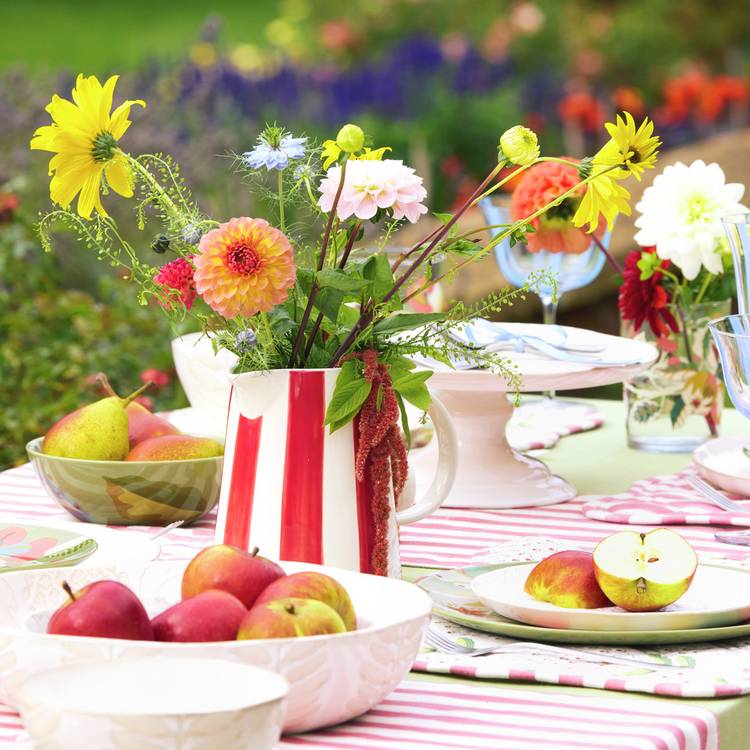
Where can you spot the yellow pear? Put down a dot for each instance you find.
(97, 432)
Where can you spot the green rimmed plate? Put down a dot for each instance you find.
(452, 598)
(31, 547)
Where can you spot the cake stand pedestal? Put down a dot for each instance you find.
(490, 473)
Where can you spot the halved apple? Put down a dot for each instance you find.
(566, 579)
(642, 572)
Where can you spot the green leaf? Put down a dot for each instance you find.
(419, 396)
(444, 218)
(411, 385)
(405, 321)
(329, 302)
(304, 280)
(411, 379)
(334, 278)
(677, 408)
(377, 270)
(350, 393)
(404, 418)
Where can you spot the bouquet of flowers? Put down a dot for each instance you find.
(300, 293)
(678, 280)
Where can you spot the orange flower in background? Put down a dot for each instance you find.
(583, 110)
(538, 186)
(628, 99)
(243, 267)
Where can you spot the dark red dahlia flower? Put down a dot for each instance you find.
(645, 300)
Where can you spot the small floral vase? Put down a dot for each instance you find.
(676, 404)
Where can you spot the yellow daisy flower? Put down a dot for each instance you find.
(629, 151)
(83, 136)
(603, 196)
(635, 150)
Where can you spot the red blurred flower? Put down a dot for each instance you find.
(177, 283)
(719, 94)
(158, 377)
(451, 166)
(648, 300)
(145, 402)
(338, 35)
(9, 204)
(583, 110)
(681, 96)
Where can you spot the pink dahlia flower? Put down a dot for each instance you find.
(370, 185)
(244, 267)
(176, 281)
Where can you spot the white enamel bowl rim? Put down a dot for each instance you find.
(260, 686)
(420, 601)
(510, 601)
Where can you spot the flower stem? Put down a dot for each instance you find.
(321, 260)
(281, 201)
(150, 180)
(704, 288)
(611, 258)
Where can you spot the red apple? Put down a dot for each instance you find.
(210, 616)
(312, 585)
(104, 609)
(242, 574)
(290, 618)
(567, 579)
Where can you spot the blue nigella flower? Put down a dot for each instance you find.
(274, 150)
(245, 341)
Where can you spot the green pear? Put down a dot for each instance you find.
(97, 432)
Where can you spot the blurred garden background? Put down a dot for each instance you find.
(438, 81)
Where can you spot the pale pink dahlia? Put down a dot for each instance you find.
(370, 185)
(244, 267)
(176, 281)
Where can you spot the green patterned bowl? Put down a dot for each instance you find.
(126, 493)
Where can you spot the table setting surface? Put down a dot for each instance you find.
(450, 702)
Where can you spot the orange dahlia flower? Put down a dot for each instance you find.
(555, 232)
(244, 267)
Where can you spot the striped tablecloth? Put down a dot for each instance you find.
(453, 715)
(422, 715)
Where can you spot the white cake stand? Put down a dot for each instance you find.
(490, 473)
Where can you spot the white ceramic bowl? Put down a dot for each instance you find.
(332, 678)
(169, 703)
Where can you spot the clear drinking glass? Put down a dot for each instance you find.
(737, 228)
(732, 337)
(573, 271)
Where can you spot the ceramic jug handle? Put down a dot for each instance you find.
(446, 466)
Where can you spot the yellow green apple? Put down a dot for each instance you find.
(313, 585)
(290, 618)
(644, 571)
(566, 579)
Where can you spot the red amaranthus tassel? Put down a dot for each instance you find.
(381, 452)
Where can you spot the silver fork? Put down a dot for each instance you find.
(446, 646)
(716, 497)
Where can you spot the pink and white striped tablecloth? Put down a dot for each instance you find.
(449, 716)
(445, 715)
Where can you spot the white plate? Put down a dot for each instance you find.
(718, 596)
(332, 678)
(723, 463)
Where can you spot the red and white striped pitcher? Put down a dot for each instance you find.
(289, 485)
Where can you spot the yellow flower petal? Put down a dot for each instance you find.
(120, 178)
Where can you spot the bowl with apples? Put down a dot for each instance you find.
(115, 462)
(633, 581)
(342, 640)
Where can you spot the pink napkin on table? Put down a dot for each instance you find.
(667, 500)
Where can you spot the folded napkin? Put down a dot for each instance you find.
(667, 500)
(711, 670)
(550, 341)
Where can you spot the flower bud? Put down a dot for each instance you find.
(350, 138)
(519, 146)
(160, 244)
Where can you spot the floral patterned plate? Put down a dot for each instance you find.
(29, 547)
(452, 599)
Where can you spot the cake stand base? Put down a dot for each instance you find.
(490, 473)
